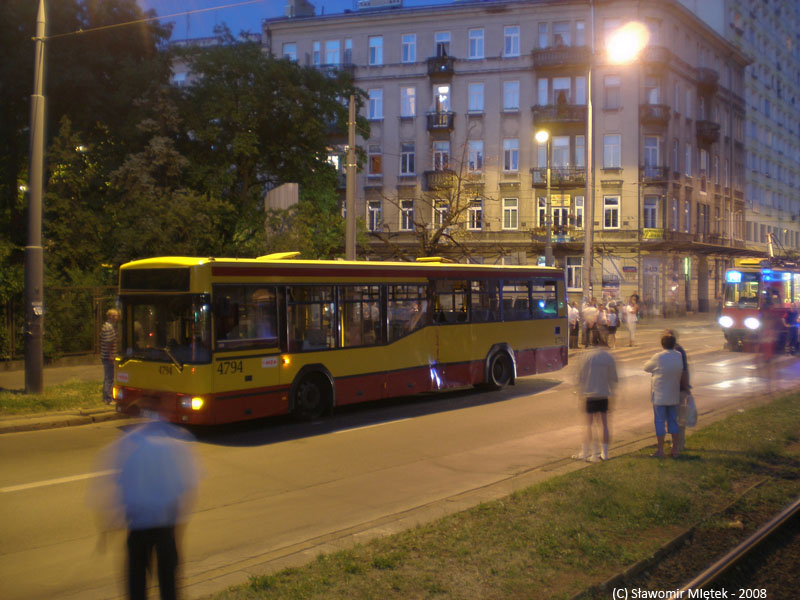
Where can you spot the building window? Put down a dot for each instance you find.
(511, 95)
(374, 218)
(579, 212)
(542, 95)
(408, 50)
(541, 211)
(332, 52)
(560, 151)
(375, 104)
(651, 90)
(441, 155)
(676, 167)
(348, 52)
(475, 215)
(510, 213)
(613, 98)
(376, 50)
(511, 41)
(440, 210)
(476, 43)
(651, 144)
(475, 156)
(610, 212)
(561, 90)
(561, 33)
(650, 212)
(674, 222)
(475, 97)
(317, 54)
(689, 113)
(687, 159)
(676, 102)
(375, 160)
(580, 33)
(441, 40)
(580, 151)
(574, 272)
(716, 169)
(406, 215)
(290, 52)
(441, 98)
(511, 155)
(543, 41)
(408, 101)
(580, 90)
(407, 158)
(612, 151)
(703, 172)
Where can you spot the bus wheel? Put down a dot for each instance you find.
(312, 397)
(501, 370)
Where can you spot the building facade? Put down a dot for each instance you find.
(455, 94)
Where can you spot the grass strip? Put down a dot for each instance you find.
(66, 396)
(557, 538)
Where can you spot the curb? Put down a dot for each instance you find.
(55, 421)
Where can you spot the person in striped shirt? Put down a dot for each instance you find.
(108, 350)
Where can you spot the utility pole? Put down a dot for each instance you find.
(34, 262)
(350, 196)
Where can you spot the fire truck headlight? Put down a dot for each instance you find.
(725, 321)
(752, 323)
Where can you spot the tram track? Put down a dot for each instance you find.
(754, 568)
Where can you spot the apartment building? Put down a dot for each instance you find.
(456, 92)
(769, 33)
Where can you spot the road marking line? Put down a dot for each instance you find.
(36, 484)
(370, 426)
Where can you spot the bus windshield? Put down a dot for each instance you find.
(744, 293)
(174, 328)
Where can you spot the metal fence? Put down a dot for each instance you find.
(73, 317)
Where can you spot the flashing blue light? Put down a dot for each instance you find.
(733, 277)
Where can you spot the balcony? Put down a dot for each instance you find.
(560, 177)
(656, 57)
(563, 56)
(655, 114)
(654, 175)
(564, 113)
(441, 66)
(436, 180)
(440, 121)
(707, 80)
(707, 132)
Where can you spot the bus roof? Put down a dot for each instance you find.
(287, 259)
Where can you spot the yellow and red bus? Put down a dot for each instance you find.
(211, 340)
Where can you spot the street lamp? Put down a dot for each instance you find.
(543, 137)
(623, 46)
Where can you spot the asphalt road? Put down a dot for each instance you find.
(277, 493)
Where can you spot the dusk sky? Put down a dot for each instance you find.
(238, 15)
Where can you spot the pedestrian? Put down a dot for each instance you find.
(597, 380)
(590, 315)
(686, 390)
(573, 318)
(612, 324)
(108, 352)
(666, 368)
(631, 310)
(149, 492)
(791, 321)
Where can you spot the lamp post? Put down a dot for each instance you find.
(543, 137)
(622, 47)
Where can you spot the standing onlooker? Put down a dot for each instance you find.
(686, 389)
(108, 352)
(590, 314)
(791, 321)
(612, 324)
(631, 311)
(573, 318)
(597, 379)
(665, 391)
(151, 488)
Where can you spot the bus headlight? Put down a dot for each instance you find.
(116, 393)
(195, 403)
(725, 321)
(752, 323)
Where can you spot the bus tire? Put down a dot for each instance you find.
(312, 397)
(501, 371)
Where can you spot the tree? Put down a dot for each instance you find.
(255, 122)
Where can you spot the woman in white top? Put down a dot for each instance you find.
(631, 309)
(666, 368)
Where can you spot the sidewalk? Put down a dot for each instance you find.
(54, 375)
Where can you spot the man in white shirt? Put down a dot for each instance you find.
(573, 318)
(597, 379)
(665, 393)
(590, 314)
